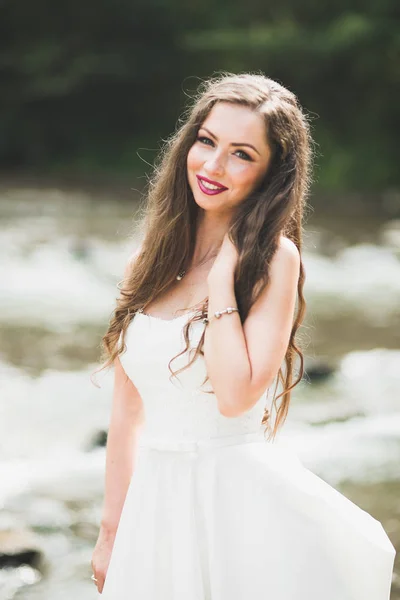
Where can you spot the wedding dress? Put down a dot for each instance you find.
(216, 512)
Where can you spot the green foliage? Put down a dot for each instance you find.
(87, 83)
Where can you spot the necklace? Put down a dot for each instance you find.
(183, 272)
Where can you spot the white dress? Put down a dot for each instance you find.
(215, 512)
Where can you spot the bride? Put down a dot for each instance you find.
(200, 501)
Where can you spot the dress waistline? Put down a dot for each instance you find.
(196, 445)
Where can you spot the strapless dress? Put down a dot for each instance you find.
(214, 511)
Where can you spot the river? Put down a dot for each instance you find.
(62, 253)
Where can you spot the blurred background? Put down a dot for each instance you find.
(88, 92)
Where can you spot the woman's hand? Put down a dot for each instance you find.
(226, 260)
(101, 557)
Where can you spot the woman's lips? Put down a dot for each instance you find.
(217, 187)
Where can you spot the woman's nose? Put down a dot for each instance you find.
(215, 166)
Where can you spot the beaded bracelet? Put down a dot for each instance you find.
(218, 314)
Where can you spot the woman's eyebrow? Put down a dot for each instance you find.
(232, 143)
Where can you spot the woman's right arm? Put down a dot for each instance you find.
(126, 419)
(127, 416)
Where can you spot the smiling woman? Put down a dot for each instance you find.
(199, 505)
(222, 163)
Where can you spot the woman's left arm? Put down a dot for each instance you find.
(243, 360)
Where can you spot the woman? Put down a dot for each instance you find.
(198, 503)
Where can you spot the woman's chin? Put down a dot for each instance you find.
(208, 204)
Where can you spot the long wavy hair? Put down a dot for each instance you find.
(275, 208)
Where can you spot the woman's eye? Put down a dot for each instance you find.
(205, 140)
(243, 155)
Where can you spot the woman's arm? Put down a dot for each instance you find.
(243, 360)
(126, 418)
(127, 415)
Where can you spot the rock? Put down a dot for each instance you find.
(86, 531)
(20, 548)
(317, 370)
(99, 440)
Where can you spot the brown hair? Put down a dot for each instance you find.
(275, 208)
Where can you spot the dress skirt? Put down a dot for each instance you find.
(240, 518)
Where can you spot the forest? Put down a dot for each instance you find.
(94, 87)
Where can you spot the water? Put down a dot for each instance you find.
(62, 253)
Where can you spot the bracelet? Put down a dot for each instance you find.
(218, 314)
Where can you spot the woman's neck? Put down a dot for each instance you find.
(209, 235)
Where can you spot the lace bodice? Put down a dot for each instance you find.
(178, 409)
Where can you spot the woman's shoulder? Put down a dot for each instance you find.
(284, 269)
(287, 252)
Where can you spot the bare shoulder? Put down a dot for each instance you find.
(275, 305)
(288, 249)
(287, 256)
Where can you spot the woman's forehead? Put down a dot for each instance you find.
(235, 123)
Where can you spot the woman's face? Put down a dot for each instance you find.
(229, 158)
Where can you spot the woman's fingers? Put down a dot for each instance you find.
(99, 579)
(100, 583)
(100, 561)
(98, 576)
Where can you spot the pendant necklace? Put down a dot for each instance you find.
(182, 273)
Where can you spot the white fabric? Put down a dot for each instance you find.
(215, 512)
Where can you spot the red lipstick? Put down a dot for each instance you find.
(218, 189)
